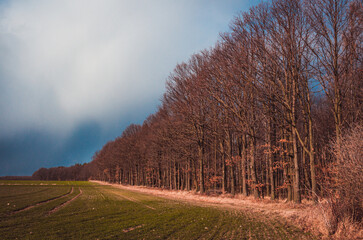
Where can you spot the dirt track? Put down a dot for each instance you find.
(66, 203)
(43, 202)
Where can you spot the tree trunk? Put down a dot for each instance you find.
(244, 158)
(297, 196)
(253, 166)
(271, 156)
(312, 162)
(201, 169)
(223, 167)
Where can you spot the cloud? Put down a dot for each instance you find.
(67, 63)
(64, 62)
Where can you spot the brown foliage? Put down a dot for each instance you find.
(348, 171)
(255, 113)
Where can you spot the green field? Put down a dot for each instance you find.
(37, 210)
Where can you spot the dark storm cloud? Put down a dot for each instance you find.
(67, 63)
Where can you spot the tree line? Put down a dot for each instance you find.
(256, 114)
(77, 172)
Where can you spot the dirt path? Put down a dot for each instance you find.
(306, 216)
(43, 202)
(66, 203)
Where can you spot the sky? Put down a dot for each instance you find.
(75, 73)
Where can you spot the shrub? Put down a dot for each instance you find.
(346, 202)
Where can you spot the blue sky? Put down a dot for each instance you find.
(74, 74)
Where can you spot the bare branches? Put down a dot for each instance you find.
(255, 113)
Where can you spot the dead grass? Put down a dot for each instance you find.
(307, 216)
(348, 229)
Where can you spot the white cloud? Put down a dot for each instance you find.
(64, 62)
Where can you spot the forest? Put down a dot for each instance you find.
(273, 109)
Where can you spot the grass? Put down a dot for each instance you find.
(17, 197)
(105, 212)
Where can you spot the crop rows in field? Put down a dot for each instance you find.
(15, 198)
(92, 211)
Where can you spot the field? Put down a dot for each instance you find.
(85, 210)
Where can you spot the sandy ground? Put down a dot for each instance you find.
(307, 216)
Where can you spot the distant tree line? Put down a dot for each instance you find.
(77, 172)
(256, 114)
(16, 178)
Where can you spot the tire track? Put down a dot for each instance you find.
(137, 201)
(42, 202)
(65, 203)
(133, 200)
